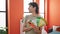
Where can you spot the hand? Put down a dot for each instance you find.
(38, 30)
(27, 29)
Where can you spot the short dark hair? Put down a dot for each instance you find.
(34, 4)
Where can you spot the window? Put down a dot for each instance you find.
(2, 5)
(3, 15)
(41, 6)
(26, 11)
(2, 19)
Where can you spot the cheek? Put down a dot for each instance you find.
(30, 8)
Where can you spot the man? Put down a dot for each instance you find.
(28, 29)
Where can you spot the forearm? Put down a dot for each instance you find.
(40, 30)
(26, 29)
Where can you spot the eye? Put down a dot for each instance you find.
(29, 6)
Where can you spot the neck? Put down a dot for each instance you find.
(34, 14)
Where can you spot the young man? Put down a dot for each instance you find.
(27, 28)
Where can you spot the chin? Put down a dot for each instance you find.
(30, 12)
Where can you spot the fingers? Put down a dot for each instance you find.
(26, 29)
(27, 21)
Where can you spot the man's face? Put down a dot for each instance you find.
(31, 8)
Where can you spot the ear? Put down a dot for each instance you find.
(34, 8)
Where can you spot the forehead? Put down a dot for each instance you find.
(30, 6)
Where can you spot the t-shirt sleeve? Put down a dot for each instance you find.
(24, 19)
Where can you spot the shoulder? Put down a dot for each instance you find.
(27, 16)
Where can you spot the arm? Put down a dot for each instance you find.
(26, 28)
(25, 23)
